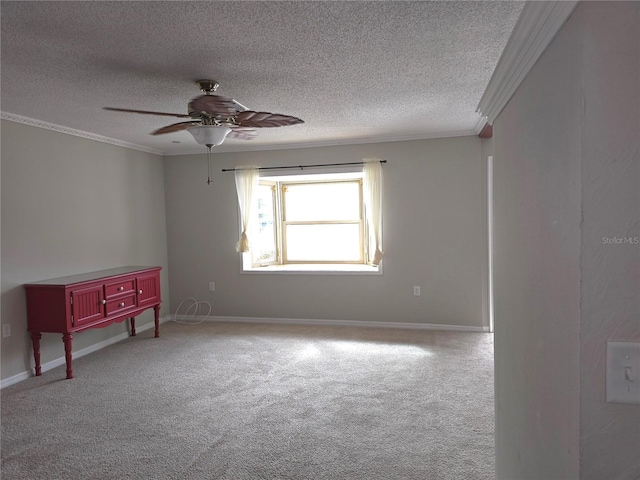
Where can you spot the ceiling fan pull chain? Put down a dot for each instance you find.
(209, 164)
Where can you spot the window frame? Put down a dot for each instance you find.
(281, 264)
(284, 222)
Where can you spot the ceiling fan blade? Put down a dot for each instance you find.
(146, 112)
(243, 133)
(215, 105)
(253, 119)
(176, 127)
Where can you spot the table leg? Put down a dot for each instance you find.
(156, 311)
(35, 339)
(67, 339)
(132, 322)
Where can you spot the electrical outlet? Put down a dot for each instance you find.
(416, 291)
(6, 330)
(212, 286)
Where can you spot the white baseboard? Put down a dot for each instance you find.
(77, 354)
(15, 379)
(339, 323)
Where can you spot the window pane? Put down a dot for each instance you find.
(320, 243)
(322, 201)
(263, 240)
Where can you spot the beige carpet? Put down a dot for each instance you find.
(250, 401)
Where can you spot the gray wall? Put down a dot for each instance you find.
(433, 237)
(610, 288)
(73, 205)
(566, 174)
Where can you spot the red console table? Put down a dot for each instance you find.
(90, 300)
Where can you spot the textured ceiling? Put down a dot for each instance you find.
(354, 71)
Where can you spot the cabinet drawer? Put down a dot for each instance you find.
(123, 303)
(123, 286)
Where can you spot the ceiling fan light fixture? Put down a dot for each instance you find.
(209, 135)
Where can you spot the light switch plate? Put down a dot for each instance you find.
(623, 372)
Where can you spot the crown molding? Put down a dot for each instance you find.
(480, 124)
(536, 27)
(224, 148)
(12, 117)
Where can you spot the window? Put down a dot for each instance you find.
(310, 223)
(264, 242)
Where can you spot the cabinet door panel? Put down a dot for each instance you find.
(87, 305)
(148, 289)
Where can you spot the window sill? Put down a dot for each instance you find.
(315, 269)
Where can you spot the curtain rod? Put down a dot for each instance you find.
(301, 167)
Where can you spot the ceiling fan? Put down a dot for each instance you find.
(213, 117)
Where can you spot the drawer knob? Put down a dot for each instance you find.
(104, 302)
(122, 304)
(120, 289)
(140, 292)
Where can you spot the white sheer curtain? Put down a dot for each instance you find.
(246, 187)
(372, 190)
